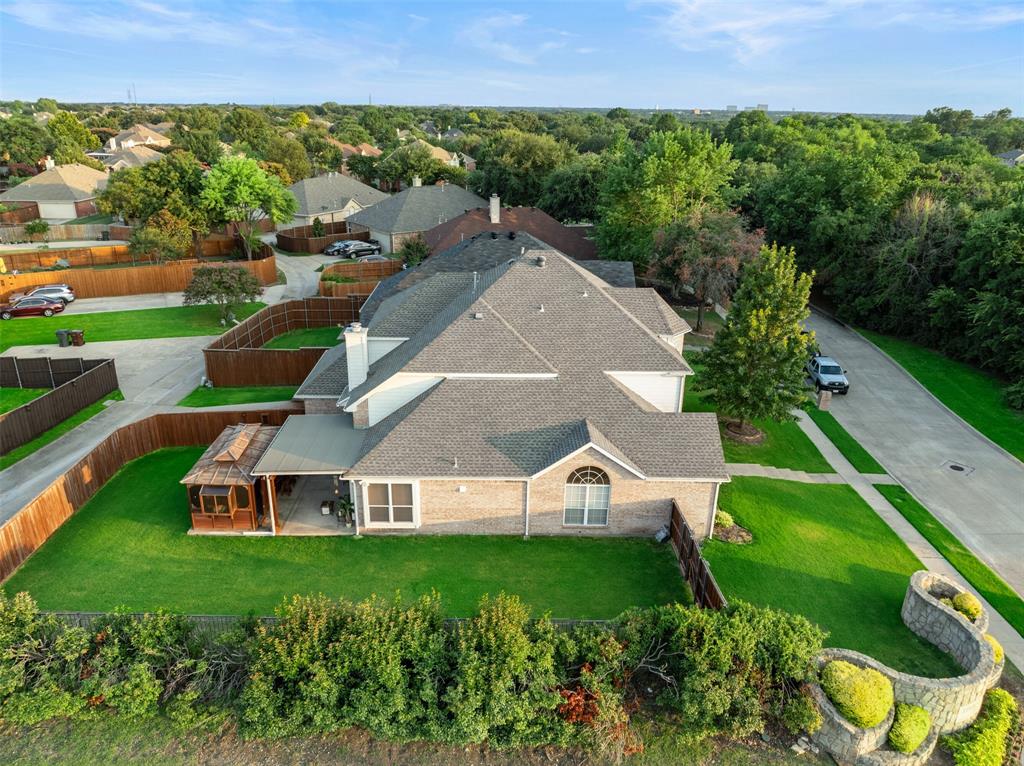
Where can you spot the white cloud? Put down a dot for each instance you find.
(505, 36)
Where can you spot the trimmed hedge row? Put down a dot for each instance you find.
(984, 742)
(400, 672)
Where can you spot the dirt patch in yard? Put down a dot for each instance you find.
(743, 433)
(734, 534)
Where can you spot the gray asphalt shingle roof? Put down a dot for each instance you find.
(650, 308)
(332, 192)
(418, 208)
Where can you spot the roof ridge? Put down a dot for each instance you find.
(533, 349)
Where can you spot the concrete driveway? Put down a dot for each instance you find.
(153, 371)
(916, 439)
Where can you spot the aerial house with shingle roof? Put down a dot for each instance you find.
(530, 397)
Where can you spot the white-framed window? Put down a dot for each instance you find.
(390, 504)
(587, 498)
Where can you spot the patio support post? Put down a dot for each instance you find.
(355, 505)
(271, 504)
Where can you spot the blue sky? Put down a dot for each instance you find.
(833, 55)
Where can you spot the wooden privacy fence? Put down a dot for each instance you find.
(22, 213)
(237, 358)
(23, 533)
(366, 276)
(301, 239)
(28, 421)
(57, 231)
(695, 570)
(42, 371)
(169, 277)
(100, 255)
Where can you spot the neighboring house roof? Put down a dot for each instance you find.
(529, 219)
(650, 308)
(1014, 155)
(160, 127)
(453, 133)
(435, 151)
(63, 183)
(417, 208)
(332, 192)
(132, 157)
(480, 253)
(232, 456)
(140, 134)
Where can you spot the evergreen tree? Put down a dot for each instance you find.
(755, 369)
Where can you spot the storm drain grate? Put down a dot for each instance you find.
(960, 468)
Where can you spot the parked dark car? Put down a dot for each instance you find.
(352, 248)
(56, 292)
(28, 307)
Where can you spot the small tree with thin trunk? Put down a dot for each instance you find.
(36, 227)
(414, 250)
(705, 252)
(225, 286)
(755, 369)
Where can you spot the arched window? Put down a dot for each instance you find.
(587, 495)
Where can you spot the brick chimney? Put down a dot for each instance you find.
(48, 162)
(417, 181)
(495, 209)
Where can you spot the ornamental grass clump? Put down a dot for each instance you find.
(968, 605)
(909, 727)
(984, 742)
(862, 695)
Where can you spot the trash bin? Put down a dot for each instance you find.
(62, 338)
(77, 337)
(105, 235)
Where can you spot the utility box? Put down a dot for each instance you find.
(824, 400)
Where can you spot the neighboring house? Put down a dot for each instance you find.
(466, 161)
(428, 127)
(412, 212)
(135, 136)
(332, 197)
(452, 134)
(1013, 158)
(62, 192)
(130, 157)
(163, 128)
(436, 152)
(532, 398)
(348, 150)
(496, 218)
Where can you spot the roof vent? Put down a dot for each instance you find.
(542, 308)
(478, 315)
(494, 235)
(541, 261)
(511, 235)
(585, 294)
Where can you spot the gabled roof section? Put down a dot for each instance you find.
(63, 183)
(531, 220)
(650, 308)
(417, 208)
(332, 192)
(582, 435)
(329, 376)
(231, 458)
(404, 314)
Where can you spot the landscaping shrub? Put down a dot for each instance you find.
(984, 742)
(968, 605)
(909, 727)
(318, 227)
(724, 519)
(996, 647)
(862, 695)
(339, 278)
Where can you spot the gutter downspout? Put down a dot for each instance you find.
(355, 506)
(711, 513)
(526, 506)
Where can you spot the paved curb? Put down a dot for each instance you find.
(918, 383)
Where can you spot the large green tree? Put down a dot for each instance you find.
(755, 369)
(514, 164)
(570, 192)
(65, 127)
(289, 153)
(408, 162)
(662, 182)
(247, 126)
(23, 140)
(237, 190)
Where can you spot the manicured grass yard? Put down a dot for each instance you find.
(1000, 595)
(784, 445)
(12, 398)
(212, 397)
(859, 457)
(94, 218)
(175, 322)
(821, 551)
(128, 546)
(974, 395)
(312, 336)
(57, 431)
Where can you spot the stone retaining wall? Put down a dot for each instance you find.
(953, 703)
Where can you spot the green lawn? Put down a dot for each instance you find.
(974, 395)
(12, 398)
(57, 431)
(94, 218)
(820, 550)
(711, 320)
(784, 445)
(1000, 595)
(312, 336)
(850, 447)
(212, 397)
(128, 546)
(173, 322)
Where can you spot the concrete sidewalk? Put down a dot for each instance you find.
(932, 560)
(769, 472)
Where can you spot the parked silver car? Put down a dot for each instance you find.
(827, 375)
(54, 292)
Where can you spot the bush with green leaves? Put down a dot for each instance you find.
(863, 696)
(910, 727)
(36, 227)
(318, 228)
(984, 742)
(997, 648)
(724, 520)
(968, 605)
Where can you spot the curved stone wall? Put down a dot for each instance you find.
(952, 702)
